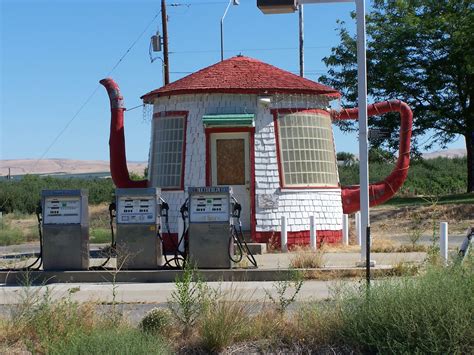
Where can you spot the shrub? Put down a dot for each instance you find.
(224, 322)
(286, 291)
(23, 195)
(305, 258)
(156, 321)
(426, 314)
(11, 236)
(100, 235)
(189, 300)
(110, 340)
(440, 176)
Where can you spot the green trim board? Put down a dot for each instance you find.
(238, 119)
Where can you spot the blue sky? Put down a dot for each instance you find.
(53, 53)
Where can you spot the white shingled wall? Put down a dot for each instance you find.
(271, 202)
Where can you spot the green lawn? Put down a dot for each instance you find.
(466, 198)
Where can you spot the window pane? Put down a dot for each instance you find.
(168, 150)
(307, 150)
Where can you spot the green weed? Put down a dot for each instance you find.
(100, 235)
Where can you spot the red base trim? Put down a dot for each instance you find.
(170, 241)
(299, 238)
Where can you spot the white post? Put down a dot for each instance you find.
(345, 229)
(180, 233)
(357, 228)
(312, 233)
(284, 236)
(363, 129)
(443, 247)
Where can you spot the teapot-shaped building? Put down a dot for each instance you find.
(263, 131)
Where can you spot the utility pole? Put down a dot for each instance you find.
(164, 21)
(301, 25)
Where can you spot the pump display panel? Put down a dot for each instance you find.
(209, 207)
(136, 209)
(62, 210)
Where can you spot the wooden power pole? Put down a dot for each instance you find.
(301, 38)
(164, 21)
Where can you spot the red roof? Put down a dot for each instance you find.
(242, 75)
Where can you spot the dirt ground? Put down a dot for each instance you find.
(389, 224)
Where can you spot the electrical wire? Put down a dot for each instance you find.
(95, 91)
(248, 50)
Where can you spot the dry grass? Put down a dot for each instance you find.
(379, 245)
(305, 258)
(387, 246)
(39, 325)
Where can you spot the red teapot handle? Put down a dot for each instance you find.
(381, 191)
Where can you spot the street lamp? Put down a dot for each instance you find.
(235, 3)
(285, 6)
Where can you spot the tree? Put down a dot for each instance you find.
(347, 158)
(422, 52)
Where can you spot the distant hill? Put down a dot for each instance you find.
(448, 153)
(62, 166)
(94, 167)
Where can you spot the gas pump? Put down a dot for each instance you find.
(214, 226)
(137, 217)
(65, 229)
(209, 216)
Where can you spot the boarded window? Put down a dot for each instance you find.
(230, 159)
(307, 154)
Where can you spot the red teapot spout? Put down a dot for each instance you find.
(381, 191)
(118, 160)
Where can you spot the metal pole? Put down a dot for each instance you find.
(363, 129)
(301, 25)
(443, 247)
(164, 22)
(284, 236)
(358, 229)
(345, 229)
(367, 259)
(312, 234)
(181, 246)
(222, 30)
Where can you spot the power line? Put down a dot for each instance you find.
(95, 90)
(249, 49)
(176, 4)
(309, 71)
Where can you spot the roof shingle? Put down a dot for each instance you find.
(242, 75)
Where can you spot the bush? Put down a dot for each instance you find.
(23, 195)
(440, 176)
(40, 325)
(100, 235)
(156, 321)
(111, 340)
(427, 314)
(10, 236)
(224, 322)
(305, 258)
